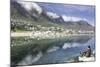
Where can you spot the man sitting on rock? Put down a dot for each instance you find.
(87, 53)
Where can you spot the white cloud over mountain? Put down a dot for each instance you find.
(31, 6)
(72, 18)
(52, 15)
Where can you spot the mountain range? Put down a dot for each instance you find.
(32, 12)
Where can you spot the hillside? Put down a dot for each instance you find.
(26, 15)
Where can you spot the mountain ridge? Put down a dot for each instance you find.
(38, 15)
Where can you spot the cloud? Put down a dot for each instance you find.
(72, 18)
(52, 15)
(31, 5)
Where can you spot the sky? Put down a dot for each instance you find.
(82, 11)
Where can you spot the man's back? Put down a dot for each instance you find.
(88, 52)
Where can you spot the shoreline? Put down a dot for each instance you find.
(45, 36)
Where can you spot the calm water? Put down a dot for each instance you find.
(59, 51)
(66, 53)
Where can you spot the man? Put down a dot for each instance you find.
(87, 53)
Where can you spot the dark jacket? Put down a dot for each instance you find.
(88, 52)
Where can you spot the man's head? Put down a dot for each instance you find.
(88, 46)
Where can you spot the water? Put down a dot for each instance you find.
(65, 54)
(57, 51)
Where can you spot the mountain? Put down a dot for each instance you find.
(25, 10)
(31, 12)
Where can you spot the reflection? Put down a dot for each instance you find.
(54, 48)
(70, 45)
(31, 51)
(78, 44)
(29, 59)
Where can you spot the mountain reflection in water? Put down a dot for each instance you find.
(58, 51)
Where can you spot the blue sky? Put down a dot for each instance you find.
(83, 11)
